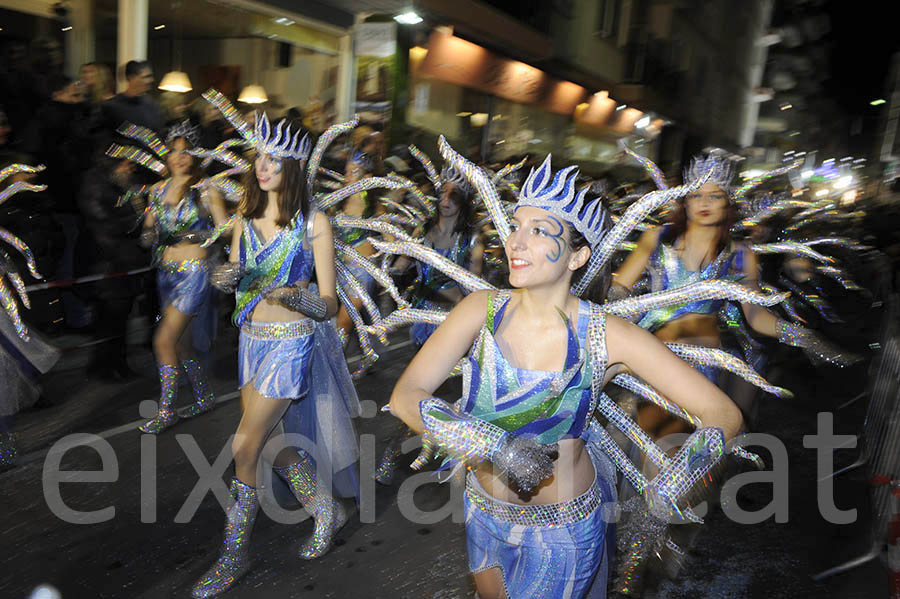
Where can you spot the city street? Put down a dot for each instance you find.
(387, 556)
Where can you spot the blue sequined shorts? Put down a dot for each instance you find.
(543, 551)
(183, 284)
(275, 357)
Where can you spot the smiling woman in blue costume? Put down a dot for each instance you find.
(536, 484)
(177, 222)
(290, 369)
(697, 245)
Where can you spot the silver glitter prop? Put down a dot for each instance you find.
(654, 171)
(349, 254)
(701, 290)
(838, 275)
(370, 224)
(843, 242)
(350, 282)
(622, 421)
(815, 347)
(231, 114)
(407, 316)
(635, 214)
(369, 355)
(426, 163)
(225, 277)
(707, 356)
(427, 202)
(326, 201)
(597, 434)
(464, 438)
(744, 189)
(639, 387)
(16, 168)
(18, 187)
(333, 174)
(315, 159)
(137, 156)
(409, 211)
(791, 247)
(302, 300)
(146, 137)
(482, 185)
(466, 279)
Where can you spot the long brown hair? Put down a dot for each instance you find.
(292, 197)
(678, 225)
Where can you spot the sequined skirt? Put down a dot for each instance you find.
(275, 357)
(183, 284)
(561, 550)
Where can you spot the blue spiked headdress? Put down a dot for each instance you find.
(451, 176)
(722, 171)
(557, 194)
(278, 140)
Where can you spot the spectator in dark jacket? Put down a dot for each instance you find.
(115, 234)
(133, 105)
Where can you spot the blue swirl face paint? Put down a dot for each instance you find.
(556, 237)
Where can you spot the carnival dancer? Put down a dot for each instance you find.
(452, 235)
(358, 205)
(177, 221)
(697, 245)
(290, 367)
(23, 354)
(538, 357)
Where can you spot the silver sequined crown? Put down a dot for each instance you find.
(186, 130)
(556, 194)
(278, 141)
(451, 176)
(722, 170)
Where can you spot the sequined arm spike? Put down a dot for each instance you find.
(697, 355)
(815, 347)
(466, 279)
(701, 290)
(482, 185)
(427, 165)
(465, 438)
(315, 158)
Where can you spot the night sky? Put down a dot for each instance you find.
(864, 35)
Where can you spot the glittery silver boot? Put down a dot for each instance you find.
(329, 514)
(387, 467)
(235, 558)
(166, 417)
(204, 400)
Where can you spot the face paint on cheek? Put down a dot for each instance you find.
(277, 166)
(558, 240)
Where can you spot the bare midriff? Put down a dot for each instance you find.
(184, 251)
(695, 329)
(573, 475)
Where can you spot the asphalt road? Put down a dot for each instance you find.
(156, 538)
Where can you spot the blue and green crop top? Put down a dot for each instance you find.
(187, 215)
(280, 262)
(547, 405)
(667, 271)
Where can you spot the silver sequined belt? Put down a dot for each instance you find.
(176, 266)
(539, 516)
(274, 331)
